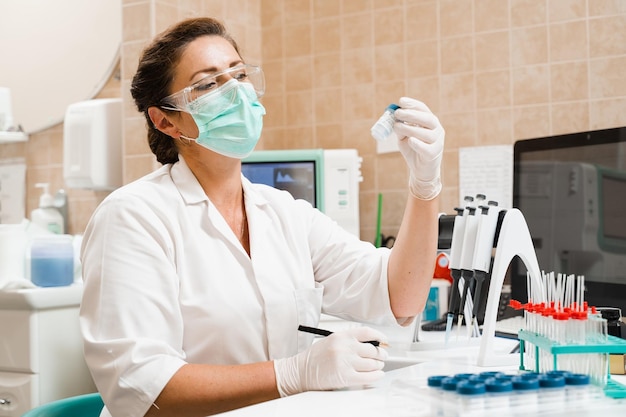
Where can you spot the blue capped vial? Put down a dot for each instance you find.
(383, 128)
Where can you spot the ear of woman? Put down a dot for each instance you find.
(161, 121)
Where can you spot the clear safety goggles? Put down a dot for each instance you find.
(215, 86)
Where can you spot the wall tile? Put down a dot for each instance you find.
(606, 7)
(421, 21)
(494, 127)
(492, 50)
(457, 92)
(457, 55)
(607, 36)
(358, 103)
(566, 9)
(389, 62)
(529, 45)
(569, 81)
(298, 73)
(569, 117)
(531, 122)
(136, 137)
(528, 12)
(297, 40)
(606, 113)
(274, 47)
(300, 108)
(136, 23)
(356, 31)
(388, 26)
(461, 129)
(606, 77)
(490, 15)
(357, 67)
(298, 11)
(326, 36)
(422, 58)
(493, 89)
(425, 89)
(455, 17)
(531, 85)
(568, 41)
(327, 70)
(327, 109)
(351, 6)
(326, 8)
(330, 136)
(356, 135)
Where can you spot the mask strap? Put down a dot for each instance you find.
(188, 139)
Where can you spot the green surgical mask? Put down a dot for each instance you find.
(235, 129)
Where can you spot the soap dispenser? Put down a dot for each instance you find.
(47, 216)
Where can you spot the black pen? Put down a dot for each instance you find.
(322, 332)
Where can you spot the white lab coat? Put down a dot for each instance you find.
(166, 282)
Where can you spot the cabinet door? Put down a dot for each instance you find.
(18, 338)
(18, 393)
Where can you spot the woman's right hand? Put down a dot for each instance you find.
(337, 361)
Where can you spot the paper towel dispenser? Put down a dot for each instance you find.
(92, 144)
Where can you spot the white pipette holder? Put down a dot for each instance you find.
(514, 240)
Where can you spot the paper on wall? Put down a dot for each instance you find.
(487, 170)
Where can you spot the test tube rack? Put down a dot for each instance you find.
(612, 344)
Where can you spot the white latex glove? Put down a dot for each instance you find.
(420, 139)
(338, 361)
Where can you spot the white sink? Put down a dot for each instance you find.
(41, 298)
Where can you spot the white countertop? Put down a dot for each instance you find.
(410, 368)
(41, 298)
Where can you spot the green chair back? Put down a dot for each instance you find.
(87, 405)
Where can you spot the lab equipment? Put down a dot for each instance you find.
(490, 216)
(383, 128)
(572, 191)
(493, 393)
(513, 240)
(47, 216)
(92, 144)
(327, 178)
(52, 260)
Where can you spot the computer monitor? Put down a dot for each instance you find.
(571, 190)
(296, 171)
(326, 178)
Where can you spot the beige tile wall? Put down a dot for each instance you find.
(494, 71)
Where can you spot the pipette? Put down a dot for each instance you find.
(467, 274)
(467, 257)
(490, 216)
(456, 248)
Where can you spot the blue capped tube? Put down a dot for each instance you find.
(383, 128)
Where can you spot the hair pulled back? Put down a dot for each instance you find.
(156, 71)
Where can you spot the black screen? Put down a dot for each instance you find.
(572, 191)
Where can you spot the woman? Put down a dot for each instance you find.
(195, 280)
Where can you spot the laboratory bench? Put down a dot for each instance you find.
(404, 392)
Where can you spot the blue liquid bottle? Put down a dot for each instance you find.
(52, 261)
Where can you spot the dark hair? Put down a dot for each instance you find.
(156, 70)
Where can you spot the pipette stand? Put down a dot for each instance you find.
(514, 240)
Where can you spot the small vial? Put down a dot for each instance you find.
(383, 128)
